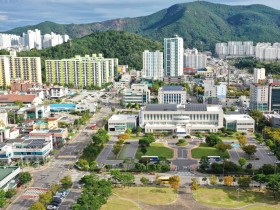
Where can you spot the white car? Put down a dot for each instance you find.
(51, 207)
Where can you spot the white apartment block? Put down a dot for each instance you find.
(118, 124)
(172, 95)
(235, 49)
(259, 97)
(152, 65)
(53, 39)
(240, 123)
(181, 119)
(82, 71)
(173, 56)
(259, 74)
(214, 91)
(24, 68)
(58, 92)
(194, 59)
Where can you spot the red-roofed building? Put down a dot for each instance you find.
(26, 99)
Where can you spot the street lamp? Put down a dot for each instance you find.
(238, 194)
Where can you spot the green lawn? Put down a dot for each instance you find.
(156, 149)
(148, 195)
(123, 152)
(117, 203)
(205, 150)
(228, 197)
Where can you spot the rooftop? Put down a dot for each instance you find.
(243, 117)
(172, 88)
(161, 107)
(123, 117)
(11, 98)
(5, 171)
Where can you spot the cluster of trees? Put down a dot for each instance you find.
(160, 166)
(198, 90)
(122, 179)
(93, 149)
(95, 193)
(85, 116)
(85, 165)
(236, 92)
(272, 136)
(118, 146)
(4, 195)
(145, 142)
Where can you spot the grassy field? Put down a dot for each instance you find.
(205, 150)
(117, 203)
(262, 207)
(228, 197)
(148, 195)
(156, 149)
(228, 138)
(122, 153)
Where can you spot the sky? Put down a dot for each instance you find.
(16, 13)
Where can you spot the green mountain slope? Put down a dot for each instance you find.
(125, 46)
(201, 24)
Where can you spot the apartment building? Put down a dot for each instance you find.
(152, 65)
(24, 68)
(82, 71)
(259, 96)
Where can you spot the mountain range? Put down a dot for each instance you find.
(200, 23)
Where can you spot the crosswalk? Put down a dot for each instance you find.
(33, 192)
(184, 173)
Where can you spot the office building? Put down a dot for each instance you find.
(24, 68)
(138, 93)
(259, 97)
(172, 95)
(152, 65)
(239, 122)
(173, 56)
(215, 91)
(174, 80)
(118, 124)
(274, 97)
(259, 75)
(82, 71)
(181, 119)
(194, 59)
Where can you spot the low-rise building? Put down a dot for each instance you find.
(57, 136)
(239, 122)
(58, 92)
(118, 124)
(86, 105)
(172, 95)
(174, 80)
(34, 112)
(25, 99)
(138, 93)
(181, 119)
(9, 176)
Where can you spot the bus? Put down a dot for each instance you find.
(216, 158)
(151, 158)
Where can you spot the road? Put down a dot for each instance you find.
(60, 166)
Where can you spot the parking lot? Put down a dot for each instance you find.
(258, 159)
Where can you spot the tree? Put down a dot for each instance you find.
(228, 180)
(174, 182)
(233, 108)
(116, 149)
(59, 100)
(83, 164)
(273, 184)
(242, 162)
(10, 193)
(24, 177)
(261, 179)
(213, 180)
(113, 109)
(204, 163)
(18, 103)
(66, 182)
(124, 136)
(213, 139)
(144, 180)
(194, 184)
(129, 105)
(222, 147)
(250, 149)
(2, 198)
(128, 131)
(244, 181)
(37, 206)
(122, 103)
(54, 188)
(243, 140)
(136, 106)
(45, 198)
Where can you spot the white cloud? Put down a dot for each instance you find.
(3, 17)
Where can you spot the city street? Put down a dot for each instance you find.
(59, 167)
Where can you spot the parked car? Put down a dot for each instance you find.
(50, 207)
(53, 203)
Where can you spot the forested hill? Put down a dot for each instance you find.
(200, 23)
(127, 47)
